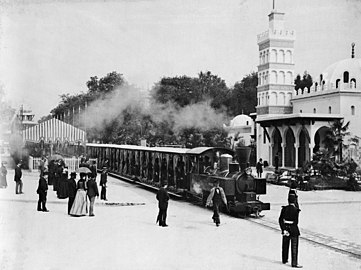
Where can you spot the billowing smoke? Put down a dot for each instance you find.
(103, 112)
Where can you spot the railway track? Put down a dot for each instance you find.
(342, 246)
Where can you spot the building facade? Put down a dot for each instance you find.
(292, 124)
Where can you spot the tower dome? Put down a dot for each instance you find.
(344, 74)
(241, 120)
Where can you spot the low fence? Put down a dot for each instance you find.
(71, 163)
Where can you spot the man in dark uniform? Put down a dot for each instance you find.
(103, 184)
(71, 190)
(288, 221)
(163, 198)
(17, 179)
(42, 191)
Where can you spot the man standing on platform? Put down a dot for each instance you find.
(215, 199)
(17, 179)
(288, 221)
(103, 184)
(92, 191)
(43, 192)
(71, 190)
(163, 198)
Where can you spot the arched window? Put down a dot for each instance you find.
(329, 109)
(316, 84)
(352, 110)
(337, 83)
(314, 110)
(247, 123)
(353, 83)
(345, 77)
(300, 111)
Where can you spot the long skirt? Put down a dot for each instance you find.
(80, 207)
(3, 182)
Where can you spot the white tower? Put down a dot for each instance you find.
(276, 67)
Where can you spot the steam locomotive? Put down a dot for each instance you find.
(188, 173)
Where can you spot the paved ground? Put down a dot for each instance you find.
(125, 236)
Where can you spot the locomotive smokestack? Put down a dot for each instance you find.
(243, 154)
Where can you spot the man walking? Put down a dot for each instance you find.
(92, 192)
(71, 190)
(42, 192)
(17, 179)
(288, 222)
(103, 184)
(163, 198)
(215, 198)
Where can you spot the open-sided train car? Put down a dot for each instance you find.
(187, 172)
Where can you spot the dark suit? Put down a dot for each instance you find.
(18, 181)
(42, 191)
(288, 222)
(103, 184)
(163, 198)
(92, 191)
(71, 192)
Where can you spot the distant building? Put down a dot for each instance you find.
(241, 129)
(293, 124)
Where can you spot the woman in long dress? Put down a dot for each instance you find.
(3, 173)
(80, 207)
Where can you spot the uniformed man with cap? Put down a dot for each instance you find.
(288, 221)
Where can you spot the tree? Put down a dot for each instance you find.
(305, 82)
(335, 135)
(244, 95)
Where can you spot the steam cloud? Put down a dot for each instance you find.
(102, 112)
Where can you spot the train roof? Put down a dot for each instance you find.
(172, 150)
(203, 150)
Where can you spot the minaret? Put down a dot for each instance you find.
(276, 67)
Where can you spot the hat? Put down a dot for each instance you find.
(291, 198)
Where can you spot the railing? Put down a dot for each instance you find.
(71, 163)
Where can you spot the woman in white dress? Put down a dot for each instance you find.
(80, 207)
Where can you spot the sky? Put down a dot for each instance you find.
(53, 47)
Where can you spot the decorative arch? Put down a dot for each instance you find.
(304, 147)
(273, 56)
(289, 77)
(282, 77)
(290, 148)
(277, 144)
(273, 76)
(353, 83)
(288, 56)
(273, 98)
(319, 138)
(282, 56)
(345, 77)
(282, 98)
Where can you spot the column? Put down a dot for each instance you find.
(283, 145)
(297, 145)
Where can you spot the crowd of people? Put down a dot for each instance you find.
(80, 193)
(85, 189)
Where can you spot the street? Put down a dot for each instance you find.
(123, 233)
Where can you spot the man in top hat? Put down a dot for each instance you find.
(163, 198)
(71, 190)
(92, 192)
(103, 184)
(43, 192)
(288, 222)
(17, 179)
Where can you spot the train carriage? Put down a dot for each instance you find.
(187, 172)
